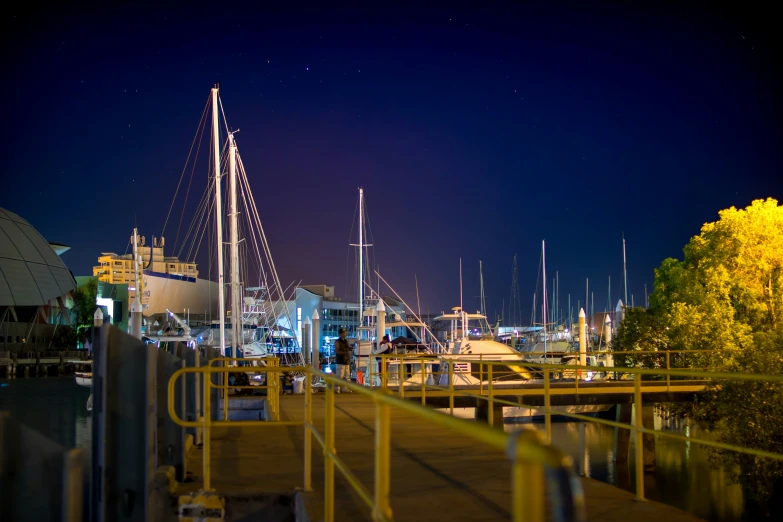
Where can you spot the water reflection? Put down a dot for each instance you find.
(684, 476)
(54, 406)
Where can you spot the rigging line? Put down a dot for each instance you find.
(264, 243)
(190, 181)
(348, 252)
(206, 228)
(195, 223)
(262, 275)
(184, 168)
(410, 309)
(201, 219)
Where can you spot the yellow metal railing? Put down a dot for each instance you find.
(528, 454)
(489, 393)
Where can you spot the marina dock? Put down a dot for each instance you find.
(436, 474)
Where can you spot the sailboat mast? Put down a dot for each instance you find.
(481, 280)
(219, 220)
(543, 311)
(361, 261)
(625, 273)
(236, 302)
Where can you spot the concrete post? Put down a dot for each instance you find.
(380, 320)
(306, 341)
(582, 339)
(608, 339)
(136, 317)
(316, 360)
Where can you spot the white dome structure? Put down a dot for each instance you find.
(31, 272)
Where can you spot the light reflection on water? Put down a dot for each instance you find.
(54, 406)
(684, 477)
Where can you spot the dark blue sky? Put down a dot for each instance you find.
(475, 133)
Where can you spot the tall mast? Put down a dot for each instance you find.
(361, 261)
(481, 280)
(625, 274)
(219, 219)
(461, 310)
(236, 297)
(543, 312)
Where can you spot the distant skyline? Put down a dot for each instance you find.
(476, 134)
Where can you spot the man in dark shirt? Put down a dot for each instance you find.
(342, 354)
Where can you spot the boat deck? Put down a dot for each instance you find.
(436, 475)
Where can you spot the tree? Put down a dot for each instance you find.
(65, 337)
(726, 294)
(85, 300)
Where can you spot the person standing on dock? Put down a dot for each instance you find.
(342, 354)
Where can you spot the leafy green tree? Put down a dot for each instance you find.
(85, 300)
(726, 295)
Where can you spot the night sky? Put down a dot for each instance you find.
(475, 134)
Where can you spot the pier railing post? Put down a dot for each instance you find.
(638, 425)
(527, 483)
(382, 509)
(401, 371)
(547, 409)
(491, 413)
(308, 441)
(451, 387)
(423, 383)
(668, 376)
(225, 391)
(481, 374)
(205, 429)
(329, 450)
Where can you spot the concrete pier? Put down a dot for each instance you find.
(436, 475)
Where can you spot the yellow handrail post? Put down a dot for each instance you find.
(423, 384)
(639, 461)
(384, 371)
(225, 392)
(451, 387)
(370, 361)
(401, 372)
(527, 494)
(382, 509)
(668, 376)
(481, 374)
(206, 430)
(308, 442)
(328, 452)
(277, 388)
(547, 410)
(491, 413)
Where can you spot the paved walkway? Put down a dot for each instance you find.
(436, 475)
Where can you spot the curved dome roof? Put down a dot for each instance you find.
(31, 272)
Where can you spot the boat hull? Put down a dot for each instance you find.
(162, 291)
(84, 379)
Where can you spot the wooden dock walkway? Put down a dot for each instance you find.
(436, 474)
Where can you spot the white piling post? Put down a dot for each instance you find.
(582, 340)
(306, 341)
(316, 359)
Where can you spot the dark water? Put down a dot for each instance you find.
(54, 406)
(684, 477)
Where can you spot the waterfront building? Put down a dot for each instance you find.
(36, 288)
(166, 283)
